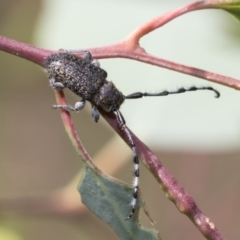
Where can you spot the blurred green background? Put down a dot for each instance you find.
(195, 135)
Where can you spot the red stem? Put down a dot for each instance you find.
(37, 55)
(174, 191)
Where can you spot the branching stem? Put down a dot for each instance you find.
(130, 48)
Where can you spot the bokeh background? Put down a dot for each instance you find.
(195, 135)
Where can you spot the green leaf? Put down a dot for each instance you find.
(236, 14)
(231, 6)
(109, 200)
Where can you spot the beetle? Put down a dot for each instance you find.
(85, 77)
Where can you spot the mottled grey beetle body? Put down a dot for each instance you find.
(84, 78)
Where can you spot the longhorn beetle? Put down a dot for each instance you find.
(84, 77)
